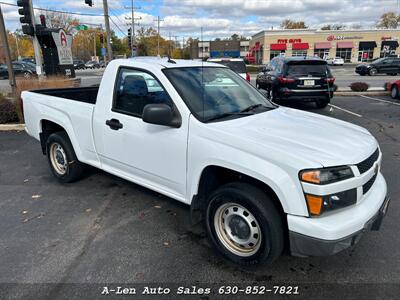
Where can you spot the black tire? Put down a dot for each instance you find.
(258, 205)
(394, 93)
(323, 102)
(74, 169)
(373, 72)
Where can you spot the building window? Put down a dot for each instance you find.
(299, 53)
(366, 55)
(322, 53)
(344, 53)
(275, 53)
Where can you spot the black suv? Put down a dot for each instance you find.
(306, 79)
(386, 65)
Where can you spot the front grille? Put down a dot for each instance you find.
(367, 164)
(367, 186)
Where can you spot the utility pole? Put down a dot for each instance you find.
(132, 18)
(94, 44)
(158, 35)
(4, 39)
(16, 42)
(108, 31)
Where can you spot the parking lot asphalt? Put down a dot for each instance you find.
(103, 229)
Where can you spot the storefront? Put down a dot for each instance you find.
(352, 45)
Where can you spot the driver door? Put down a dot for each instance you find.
(151, 155)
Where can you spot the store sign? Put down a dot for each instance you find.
(389, 38)
(63, 42)
(290, 41)
(342, 37)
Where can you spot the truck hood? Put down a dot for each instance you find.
(307, 136)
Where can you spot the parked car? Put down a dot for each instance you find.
(386, 65)
(79, 64)
(394, 89)
(260, 176)
(92, 64)
(337, 61)
(297, 79)
(29, 60)
(235, 64)
(102, 64)
(21, 69)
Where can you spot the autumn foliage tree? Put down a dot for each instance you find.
(290, 24)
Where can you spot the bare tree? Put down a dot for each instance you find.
(388, 21)
(60, 20)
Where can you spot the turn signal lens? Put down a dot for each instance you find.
(314, 204)
(311, 176)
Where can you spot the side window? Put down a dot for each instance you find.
(135, 89)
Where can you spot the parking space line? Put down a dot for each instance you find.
(380, 100)
(345, 110)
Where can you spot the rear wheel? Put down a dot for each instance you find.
(63, 162)
(244, 225)
(394, 92)
(323, 102)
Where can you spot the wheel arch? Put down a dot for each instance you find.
(213, 176)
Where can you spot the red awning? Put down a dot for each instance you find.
(300, 46)
(325, 45)
(345, 45)
(278, 47)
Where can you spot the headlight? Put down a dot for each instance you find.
(318, 204)
(326, 175)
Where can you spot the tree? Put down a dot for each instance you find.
(389, 20)
(290, 24)
(333, 27)
(60, 20)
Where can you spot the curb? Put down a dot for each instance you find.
(12, 127)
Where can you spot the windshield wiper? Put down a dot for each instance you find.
(225, 115)
(253, 107)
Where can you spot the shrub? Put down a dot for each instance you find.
(359, 86)
(8, 112)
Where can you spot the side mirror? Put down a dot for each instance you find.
(161, 114)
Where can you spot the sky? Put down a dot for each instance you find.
(216, 18)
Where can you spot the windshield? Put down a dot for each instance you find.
(303, 69)
(379, 60)
(212, 93)
(237, 66)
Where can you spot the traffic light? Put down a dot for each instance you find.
(89, 2)
(26, 19)
(130, 38)
(101, 38)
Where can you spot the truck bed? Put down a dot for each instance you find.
(81, 94)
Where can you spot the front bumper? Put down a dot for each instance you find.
(302, 245)
(334, 232)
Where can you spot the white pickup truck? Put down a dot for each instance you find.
(261, 177)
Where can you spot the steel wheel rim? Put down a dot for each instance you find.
(244, 244)
(27, 75)
(58, 159)
(373, 72)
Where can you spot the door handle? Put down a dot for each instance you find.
(114, 124)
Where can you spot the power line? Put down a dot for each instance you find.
(57, 11)
(118, 26)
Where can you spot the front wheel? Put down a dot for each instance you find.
(63, 162)
(394, 92)
(244, 225)
(373, 72)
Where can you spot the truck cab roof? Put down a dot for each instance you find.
(164, 62)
